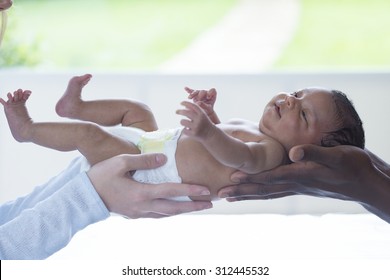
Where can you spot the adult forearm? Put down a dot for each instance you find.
(379, 163)
(377, 199)
(42, 230)
(12, 209)
(384, 215)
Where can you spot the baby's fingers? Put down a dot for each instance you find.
(189, 90)
(202, 96)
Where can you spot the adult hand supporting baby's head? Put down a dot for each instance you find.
(316, 171)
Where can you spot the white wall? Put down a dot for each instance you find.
(23, 166)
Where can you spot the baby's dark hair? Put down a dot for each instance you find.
(351, 130)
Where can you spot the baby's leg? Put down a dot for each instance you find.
(107, 112)
(92, 141)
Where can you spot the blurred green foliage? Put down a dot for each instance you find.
(111, 34)
(340, 34)
(16, 51)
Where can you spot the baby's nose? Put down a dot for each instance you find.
(290, 101)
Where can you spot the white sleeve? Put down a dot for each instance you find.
(38, 231)
(12, 209)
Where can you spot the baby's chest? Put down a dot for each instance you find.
(244, 131)
(245, 135)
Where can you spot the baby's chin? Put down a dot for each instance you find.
(263, 128)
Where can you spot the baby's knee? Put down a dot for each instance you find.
(93, 131)
(141, 117)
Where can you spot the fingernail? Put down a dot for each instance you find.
(223, 195)
(298, 155)
(199, 190)
(235, 179)
(208, 206)
(239, 177)
(205, 192)
(160, 158)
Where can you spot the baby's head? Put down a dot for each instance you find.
(312, 116)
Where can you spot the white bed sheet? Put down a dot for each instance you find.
(231, 237)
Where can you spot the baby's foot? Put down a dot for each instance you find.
(18, 118)
(69, 104)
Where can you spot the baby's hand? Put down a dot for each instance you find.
(197, 124)
(203, 98)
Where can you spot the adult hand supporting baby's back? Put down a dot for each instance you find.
(341, 172)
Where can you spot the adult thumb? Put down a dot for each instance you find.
(310, 152)
(140, 162)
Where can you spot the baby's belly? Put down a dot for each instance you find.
(196, 166)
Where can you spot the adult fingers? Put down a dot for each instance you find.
(260, 197)
(165, 208)
(160, 201)
(335, 157)
(171, 190)
(127, 163)
(256, 191)
(280, 175)
(322, 155)
(238, 191)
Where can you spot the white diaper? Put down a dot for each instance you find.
(161, 141)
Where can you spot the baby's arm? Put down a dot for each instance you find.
(206, 100)
(251, 157)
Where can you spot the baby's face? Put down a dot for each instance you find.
(299, 118)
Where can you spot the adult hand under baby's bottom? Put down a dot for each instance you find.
(125, 196)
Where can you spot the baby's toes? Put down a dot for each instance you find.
(26, 94)
(10, 97)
